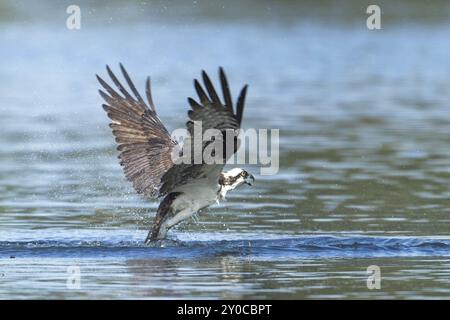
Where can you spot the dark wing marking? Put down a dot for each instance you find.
(144, 143)
(213, 114)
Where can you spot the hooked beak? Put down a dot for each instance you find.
(250, 180)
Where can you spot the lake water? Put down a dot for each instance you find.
(364, 151)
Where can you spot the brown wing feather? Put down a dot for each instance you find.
(213, 114)
(144, 143)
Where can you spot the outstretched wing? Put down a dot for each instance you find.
(144, 143)
(212, 113)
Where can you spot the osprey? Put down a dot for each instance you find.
(146, 149)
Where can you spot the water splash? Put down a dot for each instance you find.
(302, 247)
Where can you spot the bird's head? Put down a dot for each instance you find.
(235, 177)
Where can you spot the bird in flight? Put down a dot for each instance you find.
(146, 148)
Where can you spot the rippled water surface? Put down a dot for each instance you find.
(364, 119)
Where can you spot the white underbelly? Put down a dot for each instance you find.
(192, 199)
(195, 198)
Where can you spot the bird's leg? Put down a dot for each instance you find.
(178, 217)
(159, 231)
(160, 228)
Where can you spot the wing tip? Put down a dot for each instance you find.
(101, 81)
(243, 91)
(148, 92)
(221, 71)
(103, 94)
(108, 69)
(240, 103)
